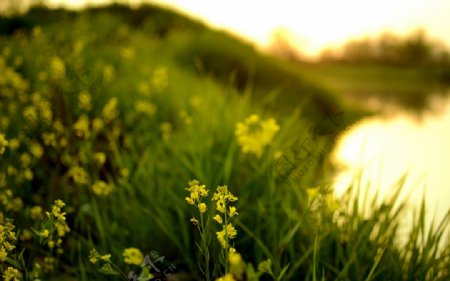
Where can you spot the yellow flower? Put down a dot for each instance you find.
(25, 159)
(160, 78)
(196, 192)
(58, 68)
(106, 257)
(235, 259)
(94, 256)
(220, 206)
(100, 158)
(79, 175)
(45, 233)
(3, 144)
(36, 213)
(254, 134)
(49, 139)
(81, 127)
(202, 207)
(231, 231)
(110, 110)
(221, 238)
(28, 174)
(59, 203)
(145, 107)
(133, 256)
(218, 218)
(265, 266)
(102, 188)
(36, 149)
(93, 260)
(13, 143)
(3, 254)
(97, 124)
(190, 201)
(12, 274)
(108, 73)
(84, 101)
(233, 212)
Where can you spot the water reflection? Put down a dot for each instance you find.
(386, 148)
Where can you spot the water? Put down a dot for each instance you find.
(384, 148)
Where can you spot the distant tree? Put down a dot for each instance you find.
(416, 49)
(282, 45)
(413, 49)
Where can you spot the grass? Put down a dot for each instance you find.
(115, 114)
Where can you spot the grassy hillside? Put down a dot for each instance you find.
(118, 112)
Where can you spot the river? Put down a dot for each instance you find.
(379, 150)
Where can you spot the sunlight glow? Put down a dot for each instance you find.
(387, 149)
(314, 25)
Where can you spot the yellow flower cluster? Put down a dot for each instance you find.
(254, 134)
(133, 256)
(160, 79)
(102, 188)
(223, 197)
(94, 257)
(8, 201)
(3, 144)
(196, 194)
(12, 274)
(57, 68)
(145, 107)
(55, 231)
(85, 101)
(7, 239)
(110, 111)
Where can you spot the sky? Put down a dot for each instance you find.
(313, 24)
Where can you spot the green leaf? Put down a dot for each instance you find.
(283, 272)
(12, 262)
(107, 269)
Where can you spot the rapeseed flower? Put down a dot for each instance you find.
(12, 274)
(202, 207)
(36, 213)
(79, 175)
(110, 110)
(223, 197)
(133, 256)
(7, 239)
(57, 68)
(3, 144)
(81, 127)
(254, 134)
(145, 107)
(196, 192)
(102, 188)
(85, 101)
(100, 158)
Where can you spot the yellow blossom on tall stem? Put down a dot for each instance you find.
(223, 197)
(197, 192)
